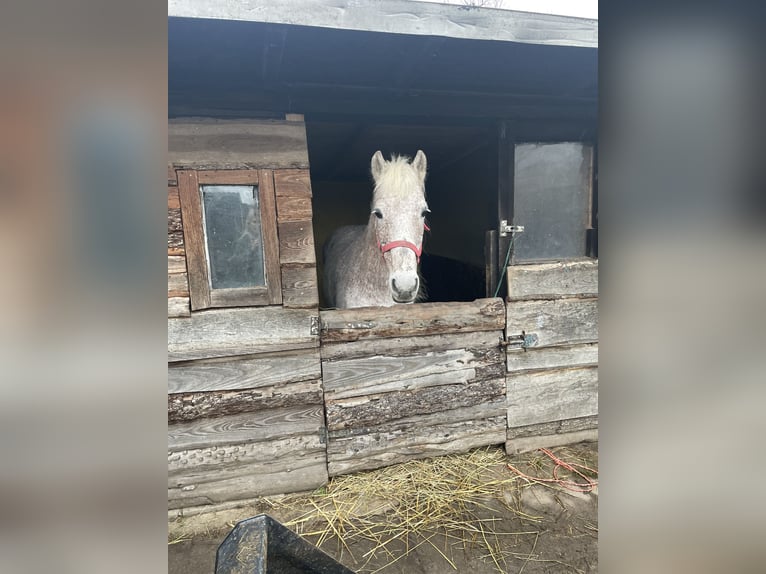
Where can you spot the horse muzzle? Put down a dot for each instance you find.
(405, 289)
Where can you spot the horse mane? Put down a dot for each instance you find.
(397, 177)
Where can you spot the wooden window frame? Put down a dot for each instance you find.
(202, 295)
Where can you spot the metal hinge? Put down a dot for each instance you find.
(505, 229)
(315, 326)
(522, 341)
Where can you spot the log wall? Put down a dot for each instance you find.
(552, 356)
(245, 401)
(410, 382)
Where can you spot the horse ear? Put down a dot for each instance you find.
(420, 164)
(377, 164)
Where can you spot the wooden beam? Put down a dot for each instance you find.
(405, 320)
(554, 322)
(555, 279)
(240, 331)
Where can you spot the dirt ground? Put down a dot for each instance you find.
(513, 525)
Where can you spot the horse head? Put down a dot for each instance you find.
(398, 216)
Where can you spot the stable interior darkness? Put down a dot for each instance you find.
(461, 190)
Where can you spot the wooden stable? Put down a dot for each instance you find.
(268, 393)
(276, 396)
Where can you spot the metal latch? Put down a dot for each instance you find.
(505, 229)
(315, 326)
(522, 341)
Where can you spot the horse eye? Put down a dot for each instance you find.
(377, 213)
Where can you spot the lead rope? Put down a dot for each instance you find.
(505, 265)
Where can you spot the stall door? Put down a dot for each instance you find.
(412, 381)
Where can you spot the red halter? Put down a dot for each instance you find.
(402, 243)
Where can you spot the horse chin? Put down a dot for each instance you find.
(403, 301)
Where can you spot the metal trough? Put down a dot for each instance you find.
(261, 545)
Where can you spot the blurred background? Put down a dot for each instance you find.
(83, 115)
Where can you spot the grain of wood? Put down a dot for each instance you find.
(175, 230)
(546, 280)
(238, 144)
(367, 452)
(228, 177)
(296, 242)
(194, 239)
(554, 322)
(178, 285)
(176, 264)
(173, 201)
(290, 208)
(190, 406)
(405, 346)
(293, 183)
(271, 246)
(405, 320)
(179, 307)
(495, 407)
(552, 357)
(305, 472)
(244, 428)
(358, 377)
(241, 331)
(272, 455)
(553, 395)
(299, 287)
(379, 408)
(555, 427)
(244, 373)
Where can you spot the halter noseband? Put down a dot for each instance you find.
(402, 243)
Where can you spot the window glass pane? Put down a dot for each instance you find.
(233, 237)
(551, 194)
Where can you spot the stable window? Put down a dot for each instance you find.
(552, 200)
(232, 248)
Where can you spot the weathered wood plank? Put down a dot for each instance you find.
(554, 322)
(299, 287)
(547, 396)
(549, 435)
(495, 407)
(358, 377)
(296, 242)
(271, 247)
(194, 240)
(176, 264)
(190, 406)
(307, 473)
(559, 279)
(295, 471)
(424, 19)
(405, 346)
(366, 452)
(173, 201)
(241, 331)
(552, 357)
(379, 408)
(272, 454)
(291, 208)
(238, 144)
(293, 183)
(405, 320)
(228, 177)
(175, 230)
(246, 373)
(179, 307)
(244, 428)
(178, 285)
